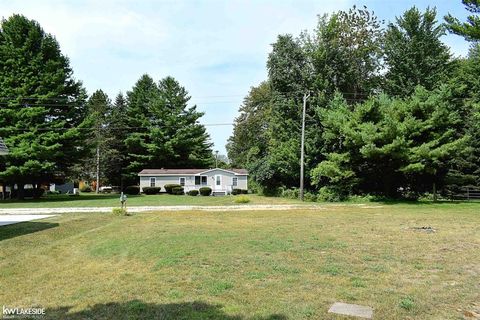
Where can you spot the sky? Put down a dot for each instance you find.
(216, 49)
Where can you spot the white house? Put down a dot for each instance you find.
(222, 181)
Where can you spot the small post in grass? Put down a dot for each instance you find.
(123, 200)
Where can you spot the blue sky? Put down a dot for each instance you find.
(216, 49)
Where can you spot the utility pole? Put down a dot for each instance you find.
(302, 148)
(216, 159)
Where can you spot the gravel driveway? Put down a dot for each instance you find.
(21, 211)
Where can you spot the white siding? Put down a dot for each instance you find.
(227, 181)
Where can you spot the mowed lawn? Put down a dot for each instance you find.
(112, 200)
(247, 265)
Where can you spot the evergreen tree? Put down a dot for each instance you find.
(116, 133)
(405, 144)
(41, 105)
(139, 102)
(470, 30)
(465, 85)
(163, 131)
(99, 106)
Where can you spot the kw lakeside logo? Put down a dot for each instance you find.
(17, 313)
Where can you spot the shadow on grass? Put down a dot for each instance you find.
(22, 228)
(137, 309)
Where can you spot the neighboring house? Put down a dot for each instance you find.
(3, 148)
(67, 187)
(222, 181)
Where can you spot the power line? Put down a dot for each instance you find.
(107, 128)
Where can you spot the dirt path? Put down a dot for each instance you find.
(246, 207)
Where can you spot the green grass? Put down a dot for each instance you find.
(246, 265)
(111, 200)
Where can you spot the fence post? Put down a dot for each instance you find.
(468, 193)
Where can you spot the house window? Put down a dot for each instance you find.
(218, 180)
(201, 180)
(234, 181)
(182, 181)
(152, 182)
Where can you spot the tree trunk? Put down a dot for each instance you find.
(20, 191)
(97, 186)
(434, 192)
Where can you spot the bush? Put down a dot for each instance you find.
(205, 191)
(120, 212)
(241, 199)
(178, 190)
(85, 188)
(169, 187)
(239, 191)
(310, 197)
(328, 194)
(290, 193)
(151, 190)
(193, 193)
(33, 193)
(132, 190)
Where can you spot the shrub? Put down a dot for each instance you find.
(236, 191)
(33, 193)
(169, 187)
(120, 211)
(178, 190)
(132, 190)
(328, 194)
(193, 193)
(241, 199)
(290, 193)
(151, 190)
(239, 191)
(205, 191)
(85, 188)
(308, 196)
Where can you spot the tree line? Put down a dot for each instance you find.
(391, 111)
(56, 132)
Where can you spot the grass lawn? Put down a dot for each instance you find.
(247, 265)
(112, 200)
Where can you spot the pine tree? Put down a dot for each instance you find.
(41, 105)
(164, 131)
(116, 133)
(470, 30)
(99, 106)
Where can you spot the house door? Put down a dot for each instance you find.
(218, 182)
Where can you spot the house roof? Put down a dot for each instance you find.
(3, 148)
(167, 172)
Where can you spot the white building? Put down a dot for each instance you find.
(222, 181)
